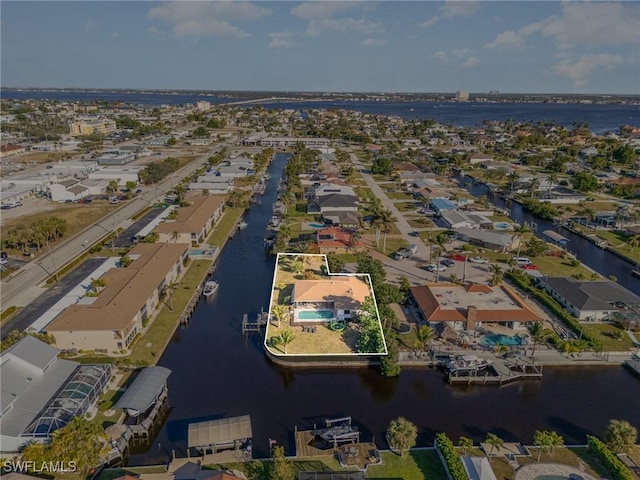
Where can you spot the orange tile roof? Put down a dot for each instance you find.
(347, 292)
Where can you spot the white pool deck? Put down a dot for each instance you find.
(535, 470)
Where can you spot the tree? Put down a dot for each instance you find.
(494, 442)
(534, 183)
(172, 141)
(584, 182)
(634, 241)
(389, 365)
(466, 444)
(167, 293)
(286, 337)
(621, 436)
(97, 284)
(175, 236)
(424, 336)
(281, 467)
(386, 222)
(125, 261)
(402, 435)
(496, 274)
(112, 187)
(441, 239)
(280, 312)
(518, 232)
(130, 185)
(546, 441)
(538, 335)
(382, 166)
(536, 247)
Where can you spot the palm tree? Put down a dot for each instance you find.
(180, 190)
(494, 442)
(534, 183)
(465, 443)
(386, 222)
(97, 284)
(280, 312)
(441, 239)
(401, 435)
(634, 241)
(518, 232)
(175, 236)
(538, 335)
(354, 240)
(167, 292)
(621, 436)
(424, 336)
(496, 271)
(286, 337)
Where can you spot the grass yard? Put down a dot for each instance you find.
(607, 334)
(393, 244)
(407, 206)
(364, 194)
(225, 225)
(575, 457)
(416, 465)
(399, 196)
(420, 222)
(618, 242)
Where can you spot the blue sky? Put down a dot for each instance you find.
(535, 47)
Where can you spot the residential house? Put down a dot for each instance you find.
(42, 393)
(113, 320)
(342, 294)
(591, 301)
(440, 205)
(500, 242)
(479, 157)
(465, 307)
(456, 219)
(336, 240)
(192, 224)
(336, 202)
(344, 219)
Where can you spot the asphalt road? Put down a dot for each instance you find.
(20, 288)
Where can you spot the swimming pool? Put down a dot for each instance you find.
(194, 251)
(316, 225)
(502, 226)
(315, 315)
(500, 339)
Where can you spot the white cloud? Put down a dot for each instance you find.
(581, 24)
(460, 52)
(508, 39)
(579, 70)
(373, 42)
(321, 18)
(280, 39)
(201, 19)
(440, 55)
(90, 25)
(453, 8)
(471, 62)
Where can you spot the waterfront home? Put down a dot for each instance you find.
(442, 205)
(109, 322)
(192, 224)
(344, 219)
(321, 144)
(327, 188)
(562, 195)
(42, 393)
(334, 202)
(336, 240)
(499, 242)
(466, 307)
(480, 157)
(340, 295)
(592, 301)
(457, 219)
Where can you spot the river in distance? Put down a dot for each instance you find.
(216, 372)
(600, 117)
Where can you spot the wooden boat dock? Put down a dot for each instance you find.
(499, 372)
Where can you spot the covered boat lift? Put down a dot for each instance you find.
(145, 390)
(556, 238)
(233, 432)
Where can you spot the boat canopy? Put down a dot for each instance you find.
(144, 390)
(224, 431)
(556, 237)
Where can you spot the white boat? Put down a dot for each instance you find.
(210, 288)
(242, 225)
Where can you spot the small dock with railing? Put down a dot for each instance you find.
(254, 327)
(498, 372)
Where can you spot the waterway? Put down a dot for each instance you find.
(596, 258)
(218, 373)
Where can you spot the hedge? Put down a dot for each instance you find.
(557, 309)
(452, 460)
(609, 460)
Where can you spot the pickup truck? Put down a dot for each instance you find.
(408, 252)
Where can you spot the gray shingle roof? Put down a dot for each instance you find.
(591, 295)
(487, 236)
(33, 351)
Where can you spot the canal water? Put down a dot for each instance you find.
(218, 373)
(598, 259)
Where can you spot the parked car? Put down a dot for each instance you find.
(530, 267)
(436, 268)
(479, 260)
(521, 261)
(414, 234)
(457, 257)
(447, 262)
(4, 255)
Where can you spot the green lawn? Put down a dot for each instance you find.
(618, 242)
(392, 246)
(407, 206)
(416, 465)
(225, 225)
(399, 196)
(364, 194)
(607, 333)
(420, 222)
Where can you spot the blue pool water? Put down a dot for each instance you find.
(501, 226)
(316, 225)
(500, 339)
(315, 315)
(196, 252)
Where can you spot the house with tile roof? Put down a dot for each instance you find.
(342, 294)
(466, 307)
(192, 224)
(337, 240)
(111, 321)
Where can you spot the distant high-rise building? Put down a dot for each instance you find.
(462, 95)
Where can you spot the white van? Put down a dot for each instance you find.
(521, 261)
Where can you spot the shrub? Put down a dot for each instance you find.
(449, 454)
(608, 459)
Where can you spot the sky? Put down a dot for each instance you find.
(317, 46)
